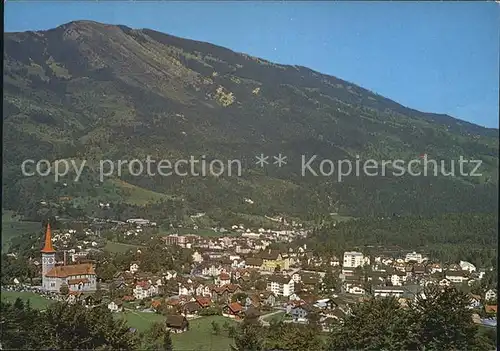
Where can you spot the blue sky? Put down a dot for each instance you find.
(436, 57)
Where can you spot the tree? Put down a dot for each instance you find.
(378, 324)
(63, 326)
(439, 319)
(249, 337)
(330, 283)
(444, 321)
(64, 289)
(260, 284)
(167, 341)
(292, 337)
(215, 328)
(156, 338)
(239, 297)
(313, 320)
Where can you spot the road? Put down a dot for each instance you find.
(262, 318)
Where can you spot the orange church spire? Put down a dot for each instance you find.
(48, 241)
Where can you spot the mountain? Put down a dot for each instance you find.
(90, 91)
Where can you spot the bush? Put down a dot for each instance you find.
(211, 311)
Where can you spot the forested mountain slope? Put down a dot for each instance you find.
(87, 90)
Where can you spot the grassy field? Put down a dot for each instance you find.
(200, 336)
(36, 301)
(141, 320)
(12, 227)
(135, 195)
(280, 316)
(112, 246)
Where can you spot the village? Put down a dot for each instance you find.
(259, 272)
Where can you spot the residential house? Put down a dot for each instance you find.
(177, 323)
(191, 308)
(155, 304)
(435, 268)
(414, 257)
(385, 291)
(325, 304)
(457, 276)
(115, 306)
(233, 309)
(491, 309)
(355, 289)
(273, 259)
(134, 267)
(309, 280)
(144, 289)
(418, 270)
(475, 301)
(254, 262)
(213, 269)
(300, 312)
(444, 282)
(197, 257)
(398, 278)
(267, 298)
(203, 301)
(223, 279)
(186, 288)
(353, 259)
(223, 294)
(490, 295)
(334, 261)
(467, 266)
(170, 275)
(280, 285)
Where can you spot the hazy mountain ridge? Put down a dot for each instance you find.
(90, 90)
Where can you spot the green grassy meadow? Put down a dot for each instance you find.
(35, 300)
(12, 227)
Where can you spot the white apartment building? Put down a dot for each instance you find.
(467, 266)
(144, 290)
(281, 285)
(414, 257)
(353, 259)
(456, 276)
(385, 291)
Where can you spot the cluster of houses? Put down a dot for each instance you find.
(244, 275)
(260, 282)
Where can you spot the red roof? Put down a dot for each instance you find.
(48, 241)
(71, 270)
(490, 308)
(143, 284)
(235, 307)
(173, 302)
(224, 276)
(203, 301)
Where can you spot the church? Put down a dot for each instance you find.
(78, 277)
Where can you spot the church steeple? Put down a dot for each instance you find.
(48, 241)
(48, 259)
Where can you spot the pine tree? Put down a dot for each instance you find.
(248, 338)
(167, 341)
(444, 321)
